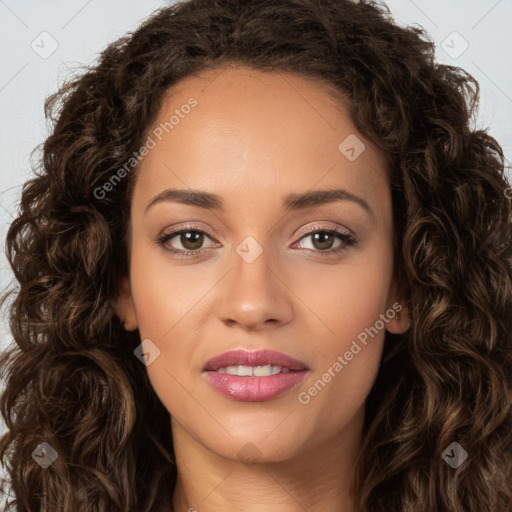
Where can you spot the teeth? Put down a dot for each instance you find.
(253, 371)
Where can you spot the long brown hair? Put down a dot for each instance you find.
(72, 380)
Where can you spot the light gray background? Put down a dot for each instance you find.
(82, 28)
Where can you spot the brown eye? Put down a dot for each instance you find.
(322, 240)
(191, 241)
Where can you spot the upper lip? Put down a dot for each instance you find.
(260, 358)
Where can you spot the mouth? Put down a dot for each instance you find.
(254, 371)
(254, 376)
(239, 362)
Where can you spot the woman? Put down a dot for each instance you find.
(265, 265)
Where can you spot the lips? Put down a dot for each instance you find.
(249, 387)
(261, 358)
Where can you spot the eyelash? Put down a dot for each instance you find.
(165, 237)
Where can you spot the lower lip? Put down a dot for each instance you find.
(254, 389)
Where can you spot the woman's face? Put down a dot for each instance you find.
(267, 276)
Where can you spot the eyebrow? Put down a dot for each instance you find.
(292, 202)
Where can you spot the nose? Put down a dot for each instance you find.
(255, 294)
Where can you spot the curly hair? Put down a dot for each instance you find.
(71, 378)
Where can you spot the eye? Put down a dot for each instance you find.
(191, 239)
(322, 239)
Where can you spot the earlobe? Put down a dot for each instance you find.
(124, 307)
(401, 321)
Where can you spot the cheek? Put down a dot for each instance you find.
(361, 300)
(349, 345)
(164, 303)
(166, 297)
(347, 298)
(348, 364)
(163, 291)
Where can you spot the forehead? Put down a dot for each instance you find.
(238, 101)
(257, 130)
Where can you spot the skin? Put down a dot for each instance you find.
(254, 138)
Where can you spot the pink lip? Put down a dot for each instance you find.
(260, 358)
(254, 389)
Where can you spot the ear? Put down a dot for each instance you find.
(401, 321)
(124, 307)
